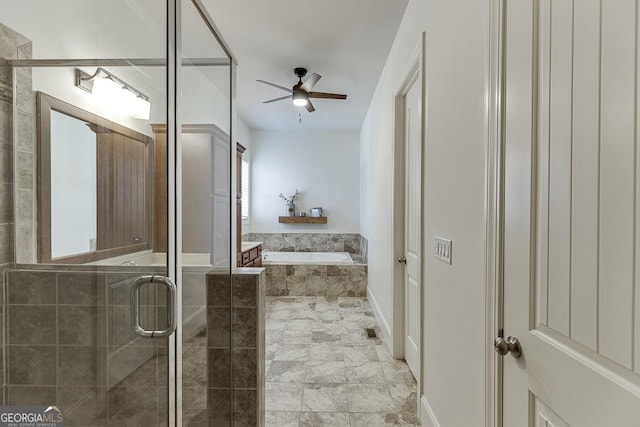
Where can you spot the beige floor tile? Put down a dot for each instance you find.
(324, 419)
(286, 371)
(325, 398)
(281, 419)
(326, 372)
(283, 396)
(349, 379)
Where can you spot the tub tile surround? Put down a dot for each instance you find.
(315, 280)
(330, 281)
(364, 249)
(236, 343)
(309, 242)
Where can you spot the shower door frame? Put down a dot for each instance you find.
(174, 178)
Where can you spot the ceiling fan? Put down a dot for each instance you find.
(301, 92)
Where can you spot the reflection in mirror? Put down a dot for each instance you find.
(94, 185)
(73, 189)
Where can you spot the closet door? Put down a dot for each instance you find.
(571, 214)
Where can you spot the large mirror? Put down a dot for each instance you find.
(94, 192)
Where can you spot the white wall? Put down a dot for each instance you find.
(323, 165)
(453, 196)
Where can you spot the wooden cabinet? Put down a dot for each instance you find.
(251, 257)
(239, 151)
(251, 254)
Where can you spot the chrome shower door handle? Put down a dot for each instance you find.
(171, 306)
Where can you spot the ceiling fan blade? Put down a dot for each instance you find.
(275, 85)
(277, 99)
(326, 95)
(310, 107)
(311, 81)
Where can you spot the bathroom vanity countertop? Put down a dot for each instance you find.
(247, 246)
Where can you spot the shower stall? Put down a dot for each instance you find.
(116, 155)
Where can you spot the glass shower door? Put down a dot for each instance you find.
(205, 150)
(88, 305)
(115, 159)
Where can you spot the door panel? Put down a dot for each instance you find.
(204, 147)
(543, 416)
(617, 180)
(571, 220)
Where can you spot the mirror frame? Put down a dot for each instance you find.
(44, 105)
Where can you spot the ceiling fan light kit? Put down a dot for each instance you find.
(300, 98)
(301, 92)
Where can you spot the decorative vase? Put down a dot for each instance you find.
(291, 209)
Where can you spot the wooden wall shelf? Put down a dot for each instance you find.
(302, 219)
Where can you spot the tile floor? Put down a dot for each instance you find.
(322, 370)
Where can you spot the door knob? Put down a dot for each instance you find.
(402, 260)
(509, 345)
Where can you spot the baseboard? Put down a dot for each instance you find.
(382, 321)
(427, 417)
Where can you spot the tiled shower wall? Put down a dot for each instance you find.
(14, 46)
(18, 143)
(69, 342)
(311, 242)
(236, 342)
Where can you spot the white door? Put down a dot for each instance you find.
(413, 217)
(571, 213)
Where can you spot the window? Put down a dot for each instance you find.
(245, 192)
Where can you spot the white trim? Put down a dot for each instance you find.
(414, 73)
(246, 220)
(427, 417)
(382, 321)
(493, 213)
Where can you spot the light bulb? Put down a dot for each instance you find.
(120, 98)
(299, 102)
(140, 108)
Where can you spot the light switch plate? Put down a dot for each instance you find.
(443, 249)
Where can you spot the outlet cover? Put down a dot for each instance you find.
(443, 249)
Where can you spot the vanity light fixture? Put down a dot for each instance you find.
(110, 89)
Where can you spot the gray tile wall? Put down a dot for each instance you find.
(236, 344)
(364, 249)
(15, 46)
(12, 46)
(69, 342)
(307, 242)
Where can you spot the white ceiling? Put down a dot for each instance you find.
(345, 41)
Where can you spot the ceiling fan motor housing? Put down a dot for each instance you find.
(300, 72)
